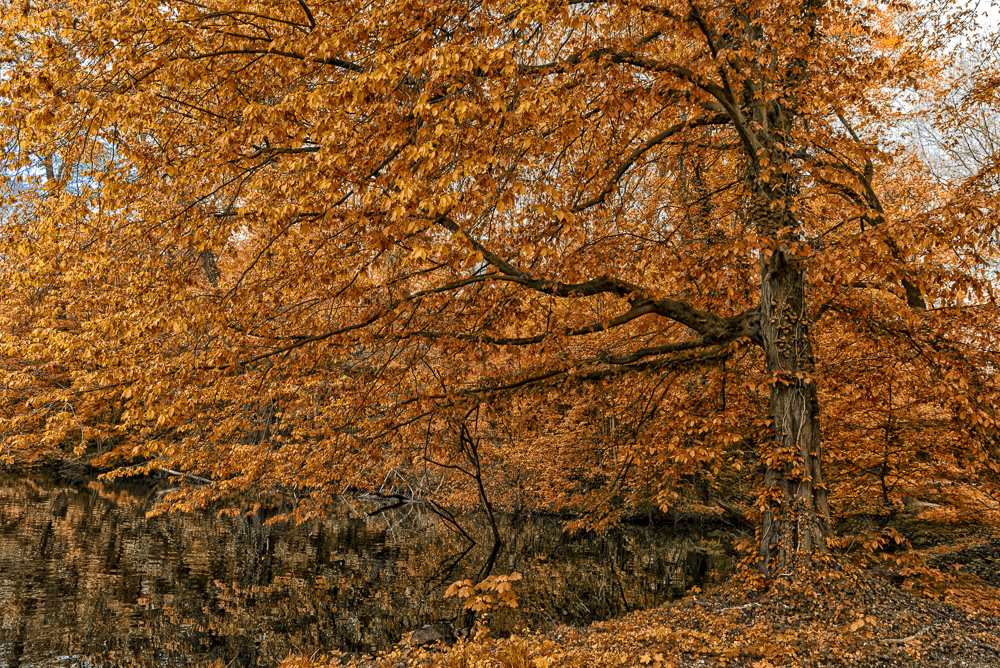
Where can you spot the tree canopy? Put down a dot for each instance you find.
(605, 247)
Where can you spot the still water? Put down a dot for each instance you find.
(86, 579)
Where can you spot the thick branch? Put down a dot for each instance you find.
(336, 62)
(636, 311)
(309, 14)
(705, 323)
(636, 355)
(914, 297)
(703, 355)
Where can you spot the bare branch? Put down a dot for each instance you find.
(718, 119)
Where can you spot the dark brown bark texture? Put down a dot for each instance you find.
(796, 518)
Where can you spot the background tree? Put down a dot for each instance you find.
(308, 239)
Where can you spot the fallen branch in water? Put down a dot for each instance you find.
(387, 501)
(196, 478)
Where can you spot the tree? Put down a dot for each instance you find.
(307, 241)
(960, 133)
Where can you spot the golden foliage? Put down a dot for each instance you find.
(626, 247)
(477, 594)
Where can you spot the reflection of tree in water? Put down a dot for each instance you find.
(83, 572)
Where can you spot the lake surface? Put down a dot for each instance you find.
(87, 579)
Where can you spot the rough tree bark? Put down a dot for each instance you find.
(796, 519)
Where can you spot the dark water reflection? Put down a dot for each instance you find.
(86, 579)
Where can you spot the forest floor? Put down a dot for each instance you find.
(935, 607)
(871, 624)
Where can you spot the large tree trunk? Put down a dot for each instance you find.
(796, 517)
